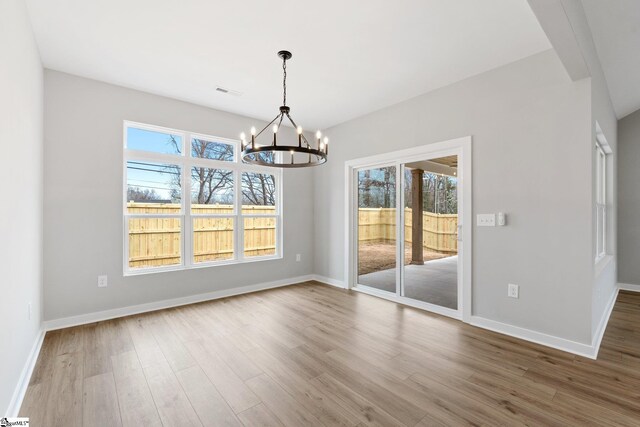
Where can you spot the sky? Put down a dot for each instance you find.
(146, 140)
(148, 175)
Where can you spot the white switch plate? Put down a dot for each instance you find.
(513, 290)
(298, 257)
(102, 281)
(486, 220)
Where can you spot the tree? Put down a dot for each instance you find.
(440, 194)
(215, 185)
(451, 195)
(376, 188)
(212, 185)
(141, 195)
(387, 187)
(208, 185)
(408, 194)
(258, 189)
(364, 187)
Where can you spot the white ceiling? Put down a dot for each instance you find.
(615, 26)
(349, 57)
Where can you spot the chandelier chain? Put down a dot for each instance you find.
(284, 81)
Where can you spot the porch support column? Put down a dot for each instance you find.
(417, 255)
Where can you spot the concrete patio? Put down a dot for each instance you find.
(434, 282)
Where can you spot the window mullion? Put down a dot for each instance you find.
(125, 255)
(239, 226)
(604, 179)
(279, 214)
(187, 227)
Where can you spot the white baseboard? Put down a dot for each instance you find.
(581, 349)
(328, 281)
(82, 319)
(604, 321)
(25, 377)
(628, 287)
(574, 347)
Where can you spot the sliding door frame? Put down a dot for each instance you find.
(460, 147)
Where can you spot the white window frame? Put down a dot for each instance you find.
(186, 162)
(601, 202)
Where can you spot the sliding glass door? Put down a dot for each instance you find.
(417, 261)
(430, 219)
(376, 219)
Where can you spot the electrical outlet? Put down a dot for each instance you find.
(486, 220)
(102, 281)
(513, 291)
(298, 257)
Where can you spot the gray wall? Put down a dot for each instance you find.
(21, 206)
(604, 273)
(531, 158)
(567, 27)
(629, 199)
(83, 200)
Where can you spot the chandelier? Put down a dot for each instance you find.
(302, 154)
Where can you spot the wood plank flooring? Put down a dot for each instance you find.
(310, 354)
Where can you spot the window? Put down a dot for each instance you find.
(601, 202)
(190, 202)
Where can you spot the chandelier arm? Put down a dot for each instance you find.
(280, 122)
(295, 126)
(270, 123)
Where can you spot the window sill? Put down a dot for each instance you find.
(198, 266)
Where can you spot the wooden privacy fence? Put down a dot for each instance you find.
(157, 241)
(439, 230)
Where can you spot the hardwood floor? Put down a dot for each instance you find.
(311, 354)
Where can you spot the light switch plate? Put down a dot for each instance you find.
(486, 220)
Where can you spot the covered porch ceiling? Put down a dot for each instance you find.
(443, 165)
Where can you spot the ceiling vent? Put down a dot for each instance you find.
(228, 91)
